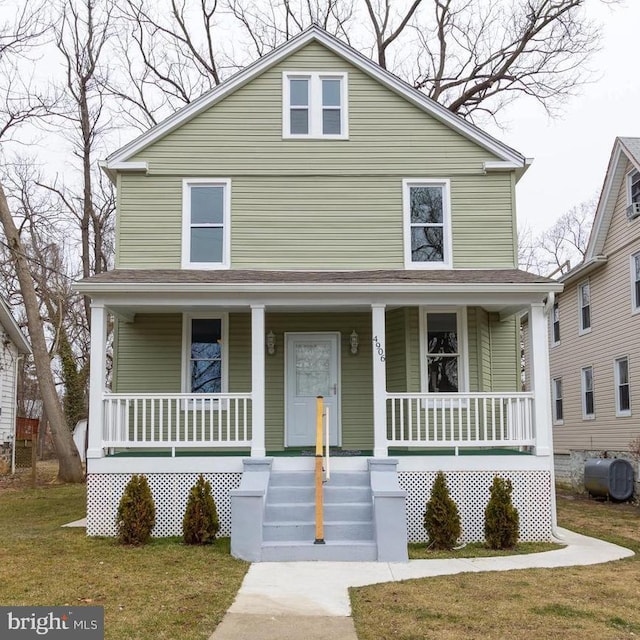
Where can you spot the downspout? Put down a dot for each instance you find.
(548, 307)
(15, 412)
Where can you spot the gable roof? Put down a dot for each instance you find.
(508, 158)
(624, 149)
(12, 329)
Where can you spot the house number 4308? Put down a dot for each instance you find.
(378, 348)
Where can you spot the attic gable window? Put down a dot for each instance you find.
(633, 187)
(427, 224)
(314, 105)
(206, 223)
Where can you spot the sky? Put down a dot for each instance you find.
(571, 153)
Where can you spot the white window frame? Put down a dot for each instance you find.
(445, 184)
(555, 310)
(186, 347)
(629, 181)
(581, 329)
(555, 398)
(463, 352)
(621, 413)
(187, 183)
(635, 308)
(315, 104)
(583, 393)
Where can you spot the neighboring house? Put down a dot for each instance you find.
(13, 347)
(315, 226)
(594, 331)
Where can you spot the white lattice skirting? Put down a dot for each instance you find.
(469, 489)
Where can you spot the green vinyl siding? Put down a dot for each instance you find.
(396, 351)
(314, 203)
(505, 352)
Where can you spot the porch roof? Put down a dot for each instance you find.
(503, 290)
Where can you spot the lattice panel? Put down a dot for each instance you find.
(470, 491)
(170, 492)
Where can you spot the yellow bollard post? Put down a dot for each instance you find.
(319, 522)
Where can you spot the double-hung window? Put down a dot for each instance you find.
(635, 283)
(206, 229)
(633, 193)
(555, 324)
(623, 395)
(204, 355)
(558, 409)
(314, 105)
(444, 351)
(588, 398)
(427, 224)
(584, 307)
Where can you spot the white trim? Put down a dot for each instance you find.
(634, 308)
(187, 183)
(554, 399)
(616, 384)
(185, 383)
(582, 330)
(501, 165)
(445, 184)
(463, 342)
(315, 33)
(338, 409)
(379, 379)
(555, 307)
(315, 107)
(628, 178)
(97, 378)
(258, 446)
(583, 392)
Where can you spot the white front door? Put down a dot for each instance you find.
(312, 368)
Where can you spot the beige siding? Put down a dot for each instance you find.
(8, 356)
(615, 332)
(315, 203)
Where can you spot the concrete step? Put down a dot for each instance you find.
(298, 494)
(302, 531)
(275, 551)
(302, 511)
(349, 479)
(291, 479)
(338, 494)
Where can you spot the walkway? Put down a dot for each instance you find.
(310, 600)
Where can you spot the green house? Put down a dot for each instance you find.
(312, 227)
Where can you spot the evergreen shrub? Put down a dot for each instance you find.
(501, 519)
(136, 512)
(200, 523)
(441, 518)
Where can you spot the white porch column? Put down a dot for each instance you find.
(540, 382)
(257, 382)
(97, 378)
(379, 381)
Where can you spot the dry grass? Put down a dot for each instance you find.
(165, 590)
(572, 604)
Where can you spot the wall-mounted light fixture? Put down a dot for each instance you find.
(271, 343)
(353, 339)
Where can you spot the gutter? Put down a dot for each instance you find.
(584, 269)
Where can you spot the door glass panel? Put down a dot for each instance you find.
(313, 372)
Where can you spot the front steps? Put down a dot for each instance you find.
(288, 529)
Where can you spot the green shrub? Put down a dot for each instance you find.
(200, 523)
(501, 519)
(441, 519)
(136, 512)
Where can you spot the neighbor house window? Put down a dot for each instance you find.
(635, 282)
(584, 307)
(555, 324)
(204, 354)
(633, 187)
(588, 399)
(205, 223)
(314, 105)
(427, 220)
(623, 396)
(558, 412)
(444, 351)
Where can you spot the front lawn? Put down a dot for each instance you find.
(165, 590)
(573, 603)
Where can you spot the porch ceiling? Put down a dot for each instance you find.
(130, 291)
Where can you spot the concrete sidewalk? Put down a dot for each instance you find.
(310, 600)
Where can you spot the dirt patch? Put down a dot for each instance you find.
(46, 475)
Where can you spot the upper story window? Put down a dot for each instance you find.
(444, 349)
(623, 396)
(584, 307)
(555, 324)
(427, 224)
(588, 398)
(633, 191)
(204, 361)
(206, 223)
(635, 283)
(314, 105)
(558, 409)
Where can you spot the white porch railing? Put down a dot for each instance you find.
(460, 419)
(158, 420)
